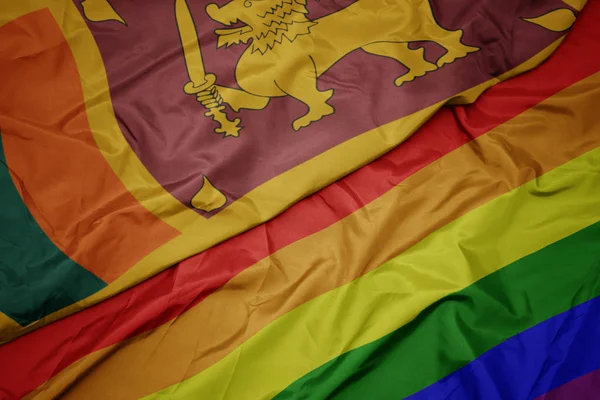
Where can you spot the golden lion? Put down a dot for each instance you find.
(289, 52)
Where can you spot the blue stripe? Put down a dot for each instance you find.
(530, 364)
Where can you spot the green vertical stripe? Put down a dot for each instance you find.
(460, 327)
(36, 278)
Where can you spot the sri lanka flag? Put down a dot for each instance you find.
(359, 199)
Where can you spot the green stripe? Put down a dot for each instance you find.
(460, 327)
(36, 278)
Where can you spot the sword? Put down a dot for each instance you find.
(201, 84)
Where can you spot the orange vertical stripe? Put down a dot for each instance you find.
(56, 165)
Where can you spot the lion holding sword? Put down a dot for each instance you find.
(288, 52)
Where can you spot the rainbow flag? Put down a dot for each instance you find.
(282, 199)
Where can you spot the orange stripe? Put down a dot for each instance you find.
(63, 178)
(459, 182)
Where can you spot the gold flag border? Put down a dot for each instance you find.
(257, 206)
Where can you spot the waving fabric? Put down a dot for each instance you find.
(299, 200)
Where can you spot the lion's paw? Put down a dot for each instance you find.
(312, 116)
(448, 58)
(300, 123)
(452, 56)
(408, 77)
(415, 73)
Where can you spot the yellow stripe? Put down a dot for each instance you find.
(504, 230)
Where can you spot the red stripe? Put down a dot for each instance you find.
(43, 353)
